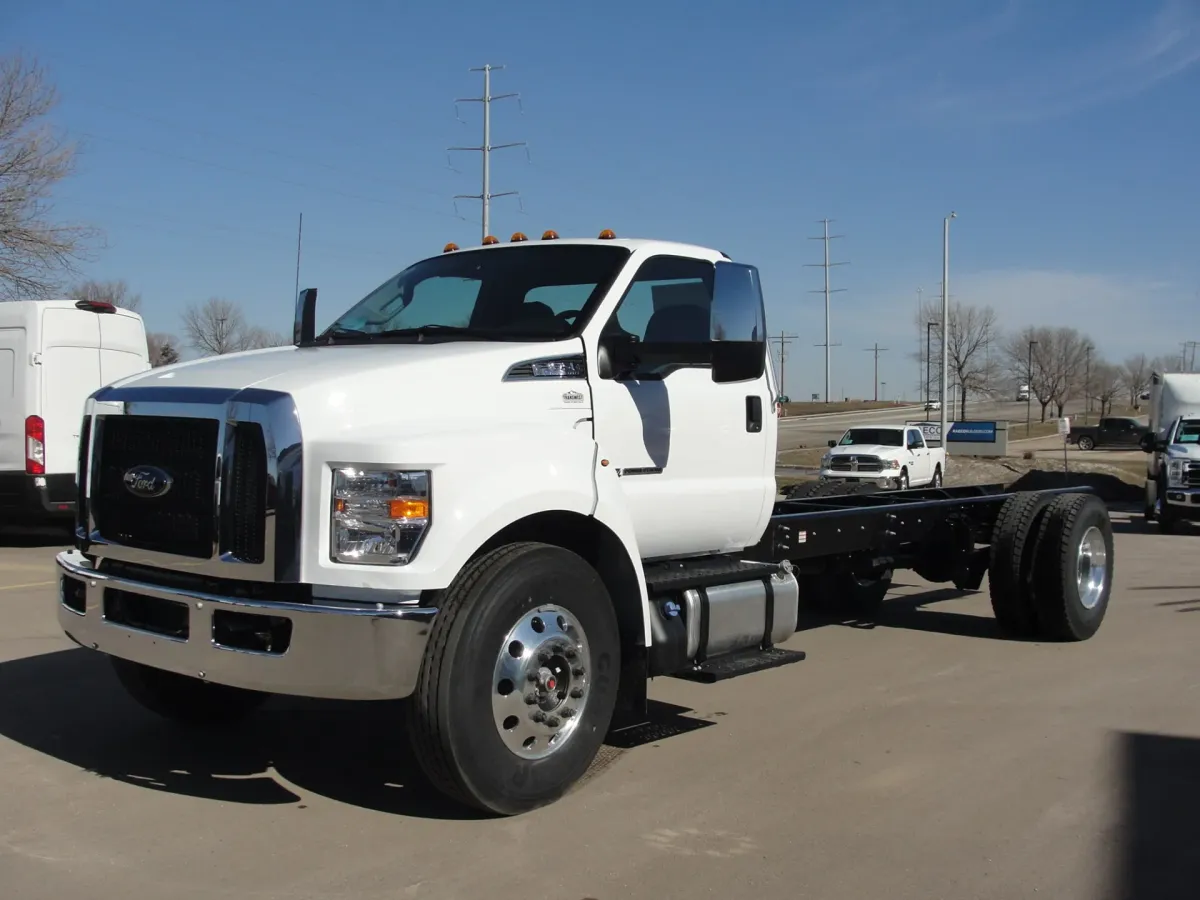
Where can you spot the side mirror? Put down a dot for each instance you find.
(739, 334)
(304, 325)
(1148, 442)
(833, 443)
(616, 356)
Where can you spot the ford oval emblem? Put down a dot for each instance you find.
(147, 481)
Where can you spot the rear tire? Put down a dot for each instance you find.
(1086, 443)
(1073, 567)
(1010, 570)
(519, 680)
(184, 699)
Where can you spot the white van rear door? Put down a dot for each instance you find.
(14, 362)
(123, 350)
(70, 373)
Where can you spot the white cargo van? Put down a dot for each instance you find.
(53, 354)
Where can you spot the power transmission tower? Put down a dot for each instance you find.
(485, 196)
(783, 339)
(876, 350)
(827, 237)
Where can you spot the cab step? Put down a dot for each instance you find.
(742, 662)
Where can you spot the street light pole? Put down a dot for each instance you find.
(945, 323)
(1029, 385)
(1087, 382)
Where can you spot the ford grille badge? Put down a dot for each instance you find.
(147, 482)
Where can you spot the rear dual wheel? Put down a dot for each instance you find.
(1051, 569)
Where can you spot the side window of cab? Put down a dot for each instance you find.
(669, 301)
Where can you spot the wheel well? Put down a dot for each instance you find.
(603, 551)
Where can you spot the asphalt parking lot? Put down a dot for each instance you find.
(918, 756)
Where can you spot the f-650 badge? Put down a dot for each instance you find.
(572, 397)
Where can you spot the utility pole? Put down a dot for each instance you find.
(920, 314)
(876, 350)
(1186, 364)
(1087, 382)
(945, 325)
(783, 339)
(485, 196)
(827, 237)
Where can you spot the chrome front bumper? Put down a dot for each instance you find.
(332, 651)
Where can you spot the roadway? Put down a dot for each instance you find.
(920, 755)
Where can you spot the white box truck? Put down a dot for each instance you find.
(53, 354)
(511, 485)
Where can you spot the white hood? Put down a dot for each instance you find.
(864, 450)
(351, 387)
(1184, 451)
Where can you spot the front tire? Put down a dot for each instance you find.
(903, 479)
(519, 680)
(184, 699)
(1086, 443)
(937, 477)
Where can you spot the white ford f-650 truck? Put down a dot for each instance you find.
(1173, 444)
(512, 484)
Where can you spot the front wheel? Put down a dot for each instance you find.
(937, 477)
(519, 680)
(1086, 443)
(903, 479)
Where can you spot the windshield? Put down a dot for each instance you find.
(539, 292)
(1188, 432)
(885, 437)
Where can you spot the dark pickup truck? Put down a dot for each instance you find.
(1115, 433)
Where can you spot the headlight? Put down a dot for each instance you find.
(1175, 472)
(378, 516)
(826, 461)
(891, 463)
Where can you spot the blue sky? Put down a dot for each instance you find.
(1064, 134)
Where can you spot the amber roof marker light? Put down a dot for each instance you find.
(518, 237)
(607, 235)
(549, 235)
(491, 239)
(450, 248)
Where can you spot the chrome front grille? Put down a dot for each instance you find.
(233, 460)
(856, 464)
(1192, 475)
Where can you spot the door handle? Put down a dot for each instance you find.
(754, 414)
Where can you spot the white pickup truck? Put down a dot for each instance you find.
(510, 485)
(894, 456)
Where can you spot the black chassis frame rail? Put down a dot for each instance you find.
(886, 526)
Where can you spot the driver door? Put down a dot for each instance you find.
(695, 458)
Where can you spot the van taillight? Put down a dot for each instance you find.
(35, 446)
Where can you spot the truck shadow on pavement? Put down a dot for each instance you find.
(1155, 854)
(68, 705)
(31, 538)
(914, 612)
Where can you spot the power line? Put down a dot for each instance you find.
(827, 237)
(485, 196)
(783, 339)
(876, 350)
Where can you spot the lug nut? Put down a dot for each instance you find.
(570, 654)
(538, 716)
(531, 677)
(566, 712)
(577, 671)
(552, 721)
(531, 698)
(544, 657)
(577, 692)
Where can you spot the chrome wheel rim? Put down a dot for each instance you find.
(1091, 567)
(541, 683)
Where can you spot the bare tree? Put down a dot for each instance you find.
(1108, 382)
(115, 292)
(164, 350)
(34, 251)
(1136, 375)
(970, 337)
(218, 326)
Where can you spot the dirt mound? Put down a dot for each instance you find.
(1107, 487)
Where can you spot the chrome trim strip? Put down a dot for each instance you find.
(275, 412)
(336, 652)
